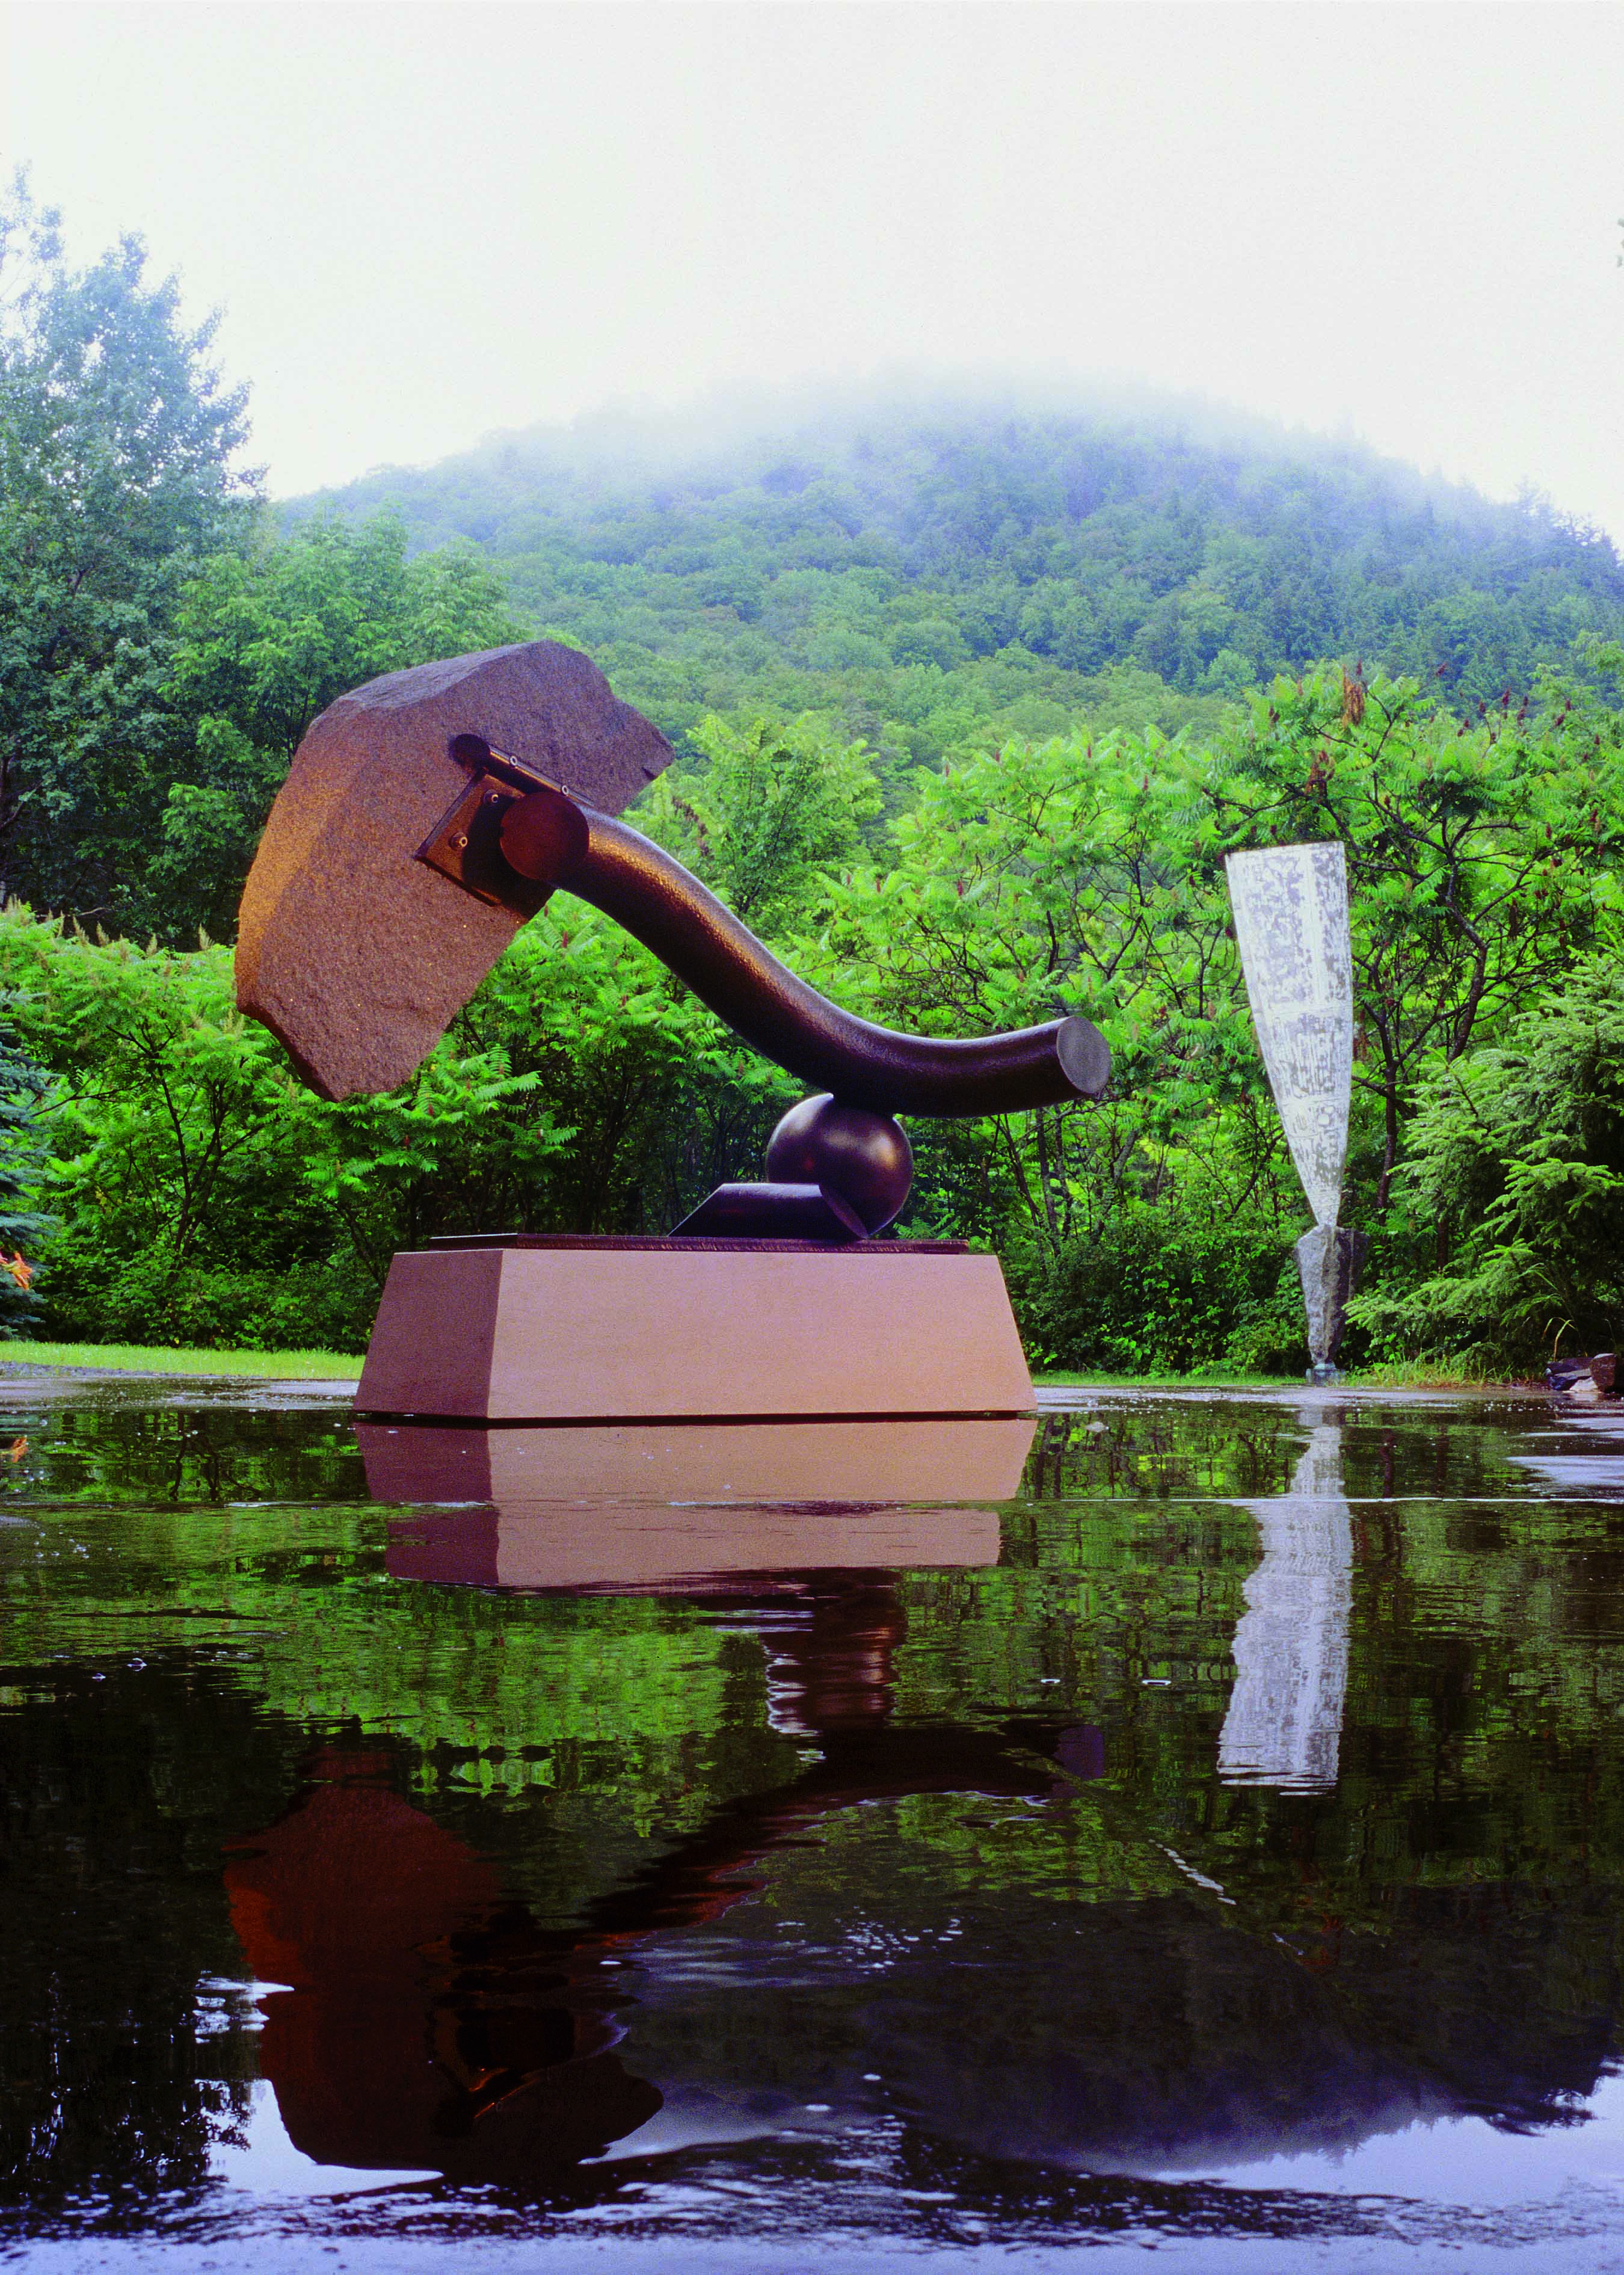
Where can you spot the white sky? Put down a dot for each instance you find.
(425, 222)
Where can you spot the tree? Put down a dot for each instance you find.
(1481, 855)
(1516, 1156)
(267, 636)
(773, 806)
(1067, 876)
(912, 572)
(118, 480)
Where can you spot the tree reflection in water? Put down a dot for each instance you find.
(427, 2024)
(1012, 1900)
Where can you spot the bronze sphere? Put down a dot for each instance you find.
(865, 1157)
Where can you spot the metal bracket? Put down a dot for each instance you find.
(465, 844)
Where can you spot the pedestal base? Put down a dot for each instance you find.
(542, 1330)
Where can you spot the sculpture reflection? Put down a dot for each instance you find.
(434, 2023)
(631, 1506)
(428, 2023)
(1284, 1723)
(425, 2024)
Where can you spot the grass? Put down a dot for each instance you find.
(136, 1358)
(346, 1366)
(1397, 1374)
(1440, 1374)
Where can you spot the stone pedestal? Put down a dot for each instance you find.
(536, 1329)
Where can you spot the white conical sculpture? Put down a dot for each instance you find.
(1284, 1726)
(1290, 904)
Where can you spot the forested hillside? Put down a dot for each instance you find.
(932, 575)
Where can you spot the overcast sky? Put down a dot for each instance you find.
(426, 222)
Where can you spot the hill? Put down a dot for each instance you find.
(933, 572)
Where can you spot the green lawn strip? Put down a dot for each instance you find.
(1439, 1375)
(346, 1366)
(1404, 1374)
(134, 1358)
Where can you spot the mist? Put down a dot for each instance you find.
(735, 436)
(427, 226)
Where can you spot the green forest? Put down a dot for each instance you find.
(970, 699)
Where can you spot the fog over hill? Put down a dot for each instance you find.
(931, 569)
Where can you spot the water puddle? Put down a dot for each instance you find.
(1171, 1825)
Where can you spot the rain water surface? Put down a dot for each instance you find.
(1182, 1830)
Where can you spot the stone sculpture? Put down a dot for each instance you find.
(429, 814)
(351, 952)
(1290, 904)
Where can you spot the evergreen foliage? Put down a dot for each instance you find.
(23, 1229)
(207, 1197)
(1517, 1162)
(267, 636)
(160, 649)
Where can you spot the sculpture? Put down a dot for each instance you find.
(426, 816)
(1290, 904)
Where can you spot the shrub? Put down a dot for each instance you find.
(1517, 1163)
(1155, 1292)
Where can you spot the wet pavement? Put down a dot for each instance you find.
(1181, 1828)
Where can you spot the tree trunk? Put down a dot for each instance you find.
(1390, 1150)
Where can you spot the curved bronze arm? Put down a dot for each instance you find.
(552, 839)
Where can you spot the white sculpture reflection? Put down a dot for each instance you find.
(1284, 1726)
